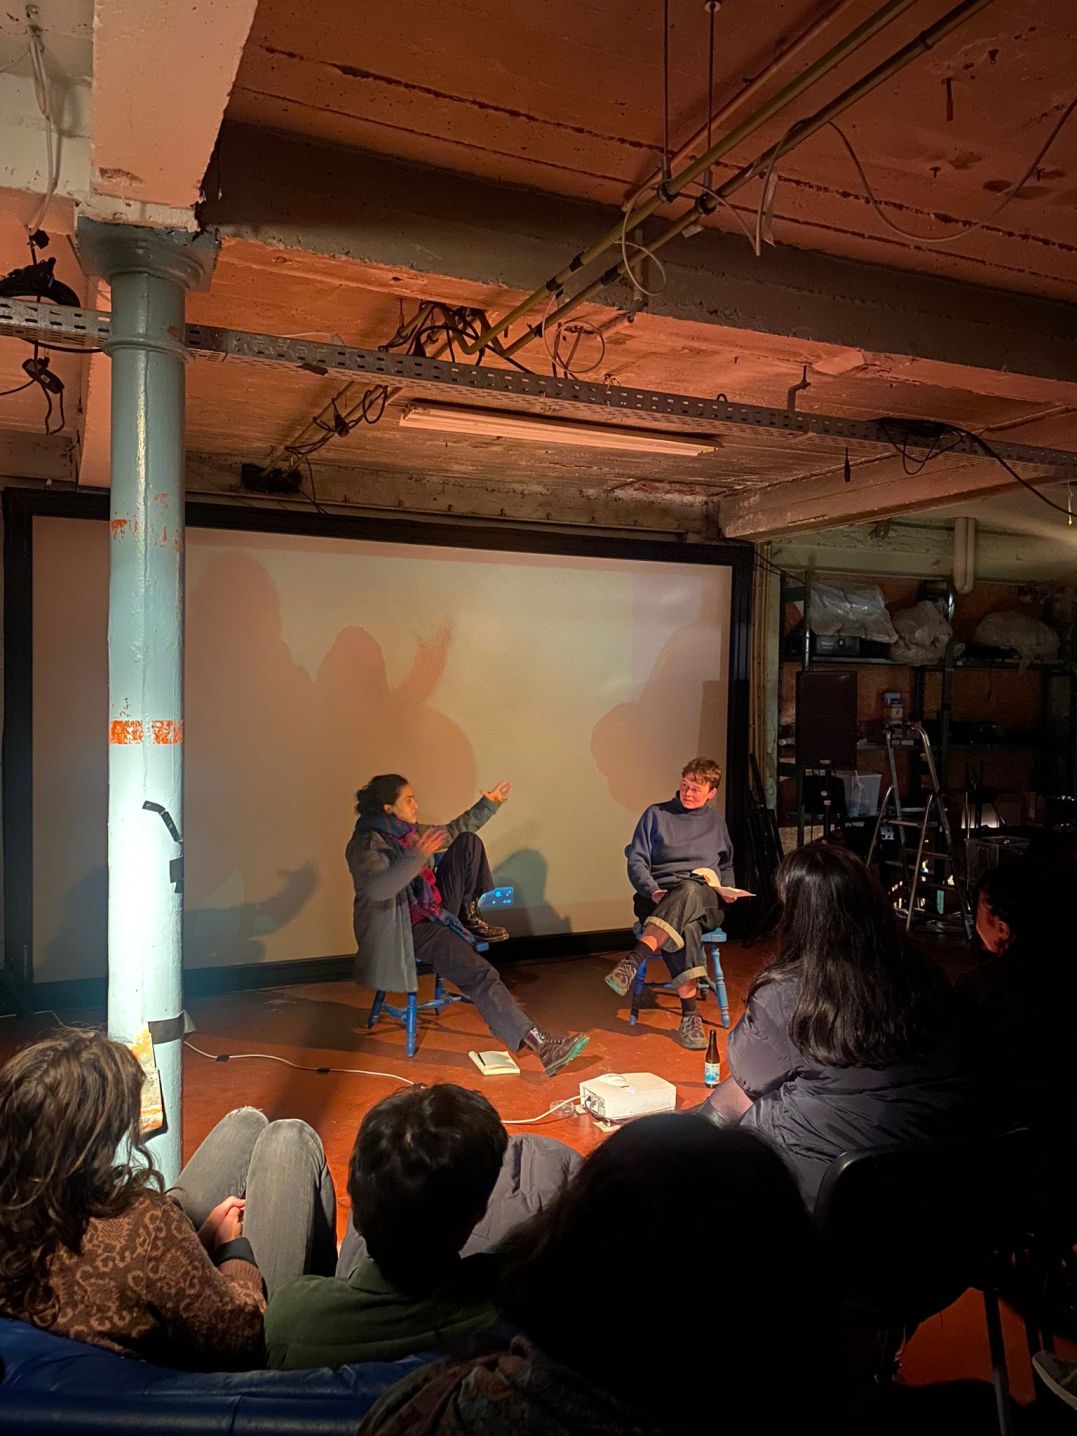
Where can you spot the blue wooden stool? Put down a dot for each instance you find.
(409, 1015)
(714, 983)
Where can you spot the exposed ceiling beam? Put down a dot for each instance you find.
(647, 505)
(162, 77)
(917, 550)
(25, 455)
(878, 488)
(466, 240)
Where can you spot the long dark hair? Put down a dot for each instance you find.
(69, 1150)
(588, 1276)
(866, 995)
(381, 792)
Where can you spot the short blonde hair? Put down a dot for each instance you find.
(705, 769)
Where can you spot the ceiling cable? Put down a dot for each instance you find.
(803, 80)
(712, 6)
(1012, 191)
(802, 130)
(665, 89)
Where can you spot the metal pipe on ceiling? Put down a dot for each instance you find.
(812, 31)
(706, 204)
(670, 189)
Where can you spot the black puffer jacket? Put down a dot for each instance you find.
(814, 1113)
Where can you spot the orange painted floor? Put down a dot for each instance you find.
(325, 1025)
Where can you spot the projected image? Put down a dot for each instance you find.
(313, 663)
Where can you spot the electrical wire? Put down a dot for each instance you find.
(763, 214)
(360, 1072)
(557, 1107)
(712, 11)
(665, 90)
(993, 454)
(298, 1066)
(721, 199)
(637, 285)
(36, 48)
(18, 389)
(17, 60)
(578, 328)
(973, 225)
(960, 433)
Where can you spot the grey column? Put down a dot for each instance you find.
(150, 273)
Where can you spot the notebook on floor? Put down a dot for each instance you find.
(493, 1064)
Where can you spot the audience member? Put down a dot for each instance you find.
(90, 1246)
(1023, 1001)
(423, 1168)
(533, 1171)
(621, 1336)
(851, 1038)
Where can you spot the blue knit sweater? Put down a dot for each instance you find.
(670, 840)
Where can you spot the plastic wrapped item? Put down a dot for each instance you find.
(923, 634)
(854, 610)
(1030, 639)
(861, 792)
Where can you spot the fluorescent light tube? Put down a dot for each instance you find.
(536, 429)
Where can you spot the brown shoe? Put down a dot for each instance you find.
(690, 1033)
(558, 1052)
(622, 976)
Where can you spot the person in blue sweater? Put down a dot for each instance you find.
(680, 863)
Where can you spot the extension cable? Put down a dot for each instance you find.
(569, 1102)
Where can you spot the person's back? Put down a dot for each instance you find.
(1024, 995)
(815, 1110)
(1022, 1001)
(90, 1247)
(852, 1039)
(615, 1329)
(424, 1164)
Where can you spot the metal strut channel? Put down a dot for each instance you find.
(443, 379)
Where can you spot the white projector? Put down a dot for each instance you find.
(619, 1096)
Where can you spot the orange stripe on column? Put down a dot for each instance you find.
(166, 730)
(125, 730)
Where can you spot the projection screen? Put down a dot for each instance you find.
(313, 663)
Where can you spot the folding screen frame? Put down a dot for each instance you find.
(21, 506)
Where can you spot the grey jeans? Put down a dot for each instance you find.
(280, 1168)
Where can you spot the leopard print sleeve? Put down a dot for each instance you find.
(213, 1317)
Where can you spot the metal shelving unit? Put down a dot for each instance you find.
(1054, 768)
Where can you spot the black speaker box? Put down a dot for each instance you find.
(826, 719)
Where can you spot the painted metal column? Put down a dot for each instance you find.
(150, 273)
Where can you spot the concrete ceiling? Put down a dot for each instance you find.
(376, 156)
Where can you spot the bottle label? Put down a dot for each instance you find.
(712, 1073)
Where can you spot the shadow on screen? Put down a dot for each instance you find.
(80, 947)
(531, 913)
(229, 936)
(631, 743)
(212, 937)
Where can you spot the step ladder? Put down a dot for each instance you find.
(922, 878)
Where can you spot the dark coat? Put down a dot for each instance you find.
(381, 918)
(814, 1113)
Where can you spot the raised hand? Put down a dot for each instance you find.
(430, 841)
(499, 794)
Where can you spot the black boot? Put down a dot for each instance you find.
(553, 1051)
(476, 923)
